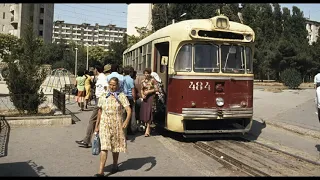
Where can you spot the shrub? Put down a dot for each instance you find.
(26, 75)
(291, 78)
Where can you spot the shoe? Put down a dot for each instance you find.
(115, 170)
(82, 143)
(99, 175)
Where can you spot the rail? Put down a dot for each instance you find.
(59, 100)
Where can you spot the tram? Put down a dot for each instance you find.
(206, 66)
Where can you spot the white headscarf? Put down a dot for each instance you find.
(156, 77)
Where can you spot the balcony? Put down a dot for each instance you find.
(13, 20)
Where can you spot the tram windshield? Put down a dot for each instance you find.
(232, 59)
(206, 58)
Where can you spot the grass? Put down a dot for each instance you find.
(303, 85)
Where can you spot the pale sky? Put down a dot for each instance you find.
(111, 13)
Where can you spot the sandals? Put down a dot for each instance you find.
(99, 175)
(146, 135)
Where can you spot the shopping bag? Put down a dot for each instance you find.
(96, 144)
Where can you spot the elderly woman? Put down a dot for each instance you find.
(110, 124)
(149, 88)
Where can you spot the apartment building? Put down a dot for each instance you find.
(138, 15)
(15, 16)
(313, 30)
(86, 34)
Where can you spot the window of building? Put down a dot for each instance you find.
(41, 21)
(3, 28)
(41, 10)
(4, 15)
(40, 33)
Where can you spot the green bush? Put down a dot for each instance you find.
(26, 75)
(291, 78)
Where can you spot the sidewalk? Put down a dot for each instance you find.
(52, 151)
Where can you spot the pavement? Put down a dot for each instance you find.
(52, 151)
(290, 108)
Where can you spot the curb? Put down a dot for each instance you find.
(292, 128)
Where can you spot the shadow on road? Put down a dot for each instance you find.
(318, 147)
(21, 169)
(134, 164)
(4, 136)
(256, 129)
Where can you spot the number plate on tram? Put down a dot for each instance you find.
(199, 86)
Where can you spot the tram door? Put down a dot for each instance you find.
(161, 67)
(162, 52)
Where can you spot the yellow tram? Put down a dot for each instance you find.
(206, 66)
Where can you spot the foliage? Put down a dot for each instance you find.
(26, 75)
(143, 33)
(291, 78)
(8, 43)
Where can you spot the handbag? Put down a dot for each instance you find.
(96, 148)
(74, 91)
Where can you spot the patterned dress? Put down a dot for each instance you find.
(112, 137)
(147, 105)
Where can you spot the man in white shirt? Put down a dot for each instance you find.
(100, 88)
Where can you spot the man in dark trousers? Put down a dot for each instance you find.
(129, 91)
(101, 83)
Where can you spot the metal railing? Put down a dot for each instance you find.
(59, 100)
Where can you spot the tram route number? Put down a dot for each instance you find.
(199, 86)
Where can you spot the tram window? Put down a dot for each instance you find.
(184, 59)
(206, 58)
(249, 62)
(232, 60)
(149, 60)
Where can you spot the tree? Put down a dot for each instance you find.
(26, 76)
(143, 33)
(115, 52)
(8, 43)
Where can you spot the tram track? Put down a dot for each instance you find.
(256, 159)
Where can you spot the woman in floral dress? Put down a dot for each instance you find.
(110, 124)
(149, 88)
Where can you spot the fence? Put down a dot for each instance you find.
(59, 100)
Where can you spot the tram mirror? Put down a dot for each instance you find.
(164, 60)
(232, 50)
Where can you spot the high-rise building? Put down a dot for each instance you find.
(87, 34)
(14, 18)
(313, 30)
(138, 15)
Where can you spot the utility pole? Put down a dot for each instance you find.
(87, 57)
(76, 63)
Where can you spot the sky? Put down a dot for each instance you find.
(111, 13)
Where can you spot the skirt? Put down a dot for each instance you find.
(88, 92)
(81, 93)
(146, 114)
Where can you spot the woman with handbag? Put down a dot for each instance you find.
(110, 124)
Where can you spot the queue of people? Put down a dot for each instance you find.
(114, 113)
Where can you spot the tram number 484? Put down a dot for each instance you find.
(198, 86)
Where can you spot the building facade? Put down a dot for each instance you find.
(313, 30)
(15, 17)
(87, 34)
(138, 15)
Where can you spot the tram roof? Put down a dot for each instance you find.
(182, 29)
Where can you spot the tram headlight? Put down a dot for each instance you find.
(248, 37)
(219, 101)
